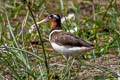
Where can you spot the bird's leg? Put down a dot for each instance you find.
(79, 62)
(67, 58)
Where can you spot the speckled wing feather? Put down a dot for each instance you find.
(64, 38)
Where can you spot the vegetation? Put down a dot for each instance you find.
(29, 56)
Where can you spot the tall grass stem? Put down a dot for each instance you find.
(45, 57)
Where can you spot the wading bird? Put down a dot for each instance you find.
(64, 42)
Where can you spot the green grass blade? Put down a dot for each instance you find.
(6, 62)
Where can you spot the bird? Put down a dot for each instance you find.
(64, 42)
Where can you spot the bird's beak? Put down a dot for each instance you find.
(34, 26)
(43, 21)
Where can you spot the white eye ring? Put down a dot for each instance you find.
(50, 16)
(53, 16)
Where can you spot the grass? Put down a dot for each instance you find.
(23, 60)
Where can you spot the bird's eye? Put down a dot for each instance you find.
(51, 16)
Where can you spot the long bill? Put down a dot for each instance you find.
(42, 21)
(34, 26)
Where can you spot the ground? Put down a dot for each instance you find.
(97, 21)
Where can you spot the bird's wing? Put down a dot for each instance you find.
(64, 38)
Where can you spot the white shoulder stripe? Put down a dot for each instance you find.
(53, 32)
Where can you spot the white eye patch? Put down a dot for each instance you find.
(55, 16)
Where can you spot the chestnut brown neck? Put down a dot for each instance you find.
(56, 26)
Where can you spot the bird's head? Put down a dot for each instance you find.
(55, 19)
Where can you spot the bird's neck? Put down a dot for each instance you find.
(56, 26)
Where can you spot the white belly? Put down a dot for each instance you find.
(69, 50)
